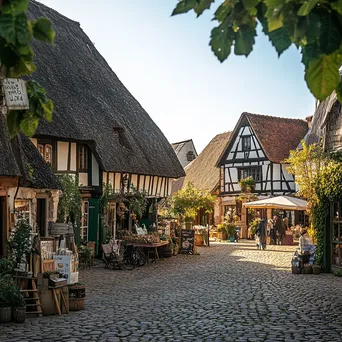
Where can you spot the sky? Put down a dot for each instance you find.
(168, 66)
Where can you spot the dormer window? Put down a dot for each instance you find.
(120, 135)
(190, 156)
(246, 143)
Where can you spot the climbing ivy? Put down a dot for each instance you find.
(16, 60)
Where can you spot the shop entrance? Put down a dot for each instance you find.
(41, 216)
(2, 225)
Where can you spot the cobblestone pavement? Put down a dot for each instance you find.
(230, 292)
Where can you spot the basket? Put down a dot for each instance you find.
(296, 270)
(76, 304)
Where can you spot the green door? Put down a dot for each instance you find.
(94, 233)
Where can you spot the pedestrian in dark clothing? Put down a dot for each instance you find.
(262, 234)
(280, 230)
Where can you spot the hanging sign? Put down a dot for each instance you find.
(187, 241)
(15, 94)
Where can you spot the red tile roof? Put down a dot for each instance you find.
(277, 136)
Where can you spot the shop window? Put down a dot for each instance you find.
(83, 158)
(246, 143)
(254, 172)
(46, 152)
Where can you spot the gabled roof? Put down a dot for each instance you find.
(277, 136)
(20, 158)
(179, 145)
(202, 171)
(92, 105)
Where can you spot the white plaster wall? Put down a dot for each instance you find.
(83, 179)
(62, 155)
(73, 161)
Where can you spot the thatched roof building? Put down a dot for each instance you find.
(202, 172)
(20, 158)
(327, 125)
(93, 106)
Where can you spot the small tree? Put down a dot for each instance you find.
(20, 243)
(187, 201)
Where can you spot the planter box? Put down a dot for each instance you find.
(19, 315)
(222, 235)
(199, 241)
(5, 315)
(76, 304)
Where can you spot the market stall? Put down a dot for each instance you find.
(281, 204)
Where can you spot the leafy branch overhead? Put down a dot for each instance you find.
(313, 26)
(16, 58)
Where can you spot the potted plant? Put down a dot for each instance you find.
(5, 306)
(18, 305)
(221, 232)
(247, 184)
(231, 231)
(6, 267)
(20, 244)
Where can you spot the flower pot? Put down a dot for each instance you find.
(316, 269)
(232, 239)
(19, 314)
(222, 235)
(5, 314)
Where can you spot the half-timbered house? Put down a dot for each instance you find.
(28, 188)
(99, 130)
(257, 148)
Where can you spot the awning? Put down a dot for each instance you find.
(279, 202)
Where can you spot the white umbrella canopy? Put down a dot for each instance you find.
(279, 202)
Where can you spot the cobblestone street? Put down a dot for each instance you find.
(230, 292)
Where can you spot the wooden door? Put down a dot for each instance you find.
(41, 216)
(3, 235)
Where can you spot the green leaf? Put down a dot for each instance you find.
(202, 5)
(14, 29)
(339, 91)
(223, 11)
(330, 37)
(310, 52)
(250, 4)
(13, 122)
(280, 39)
(274, 15)
(184, 6)
(306, 8)
(29, 124)
(42, 30)
(337, 6)
(14, 7)
(244, 40)
(221, 41)
(322, 75)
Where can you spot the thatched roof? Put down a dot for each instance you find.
(20, 158)
(277, 136)
(92, 105)
(319, 119)
(202, 172)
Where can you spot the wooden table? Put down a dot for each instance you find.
(55, 291)
(154, 246)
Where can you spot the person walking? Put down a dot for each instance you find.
(280, 230)
(261, 232)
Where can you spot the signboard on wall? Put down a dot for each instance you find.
(15, 94)
(187, 241)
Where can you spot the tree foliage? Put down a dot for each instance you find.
(307, 164)
(16, 60)
(187, 201)
(313, 26)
